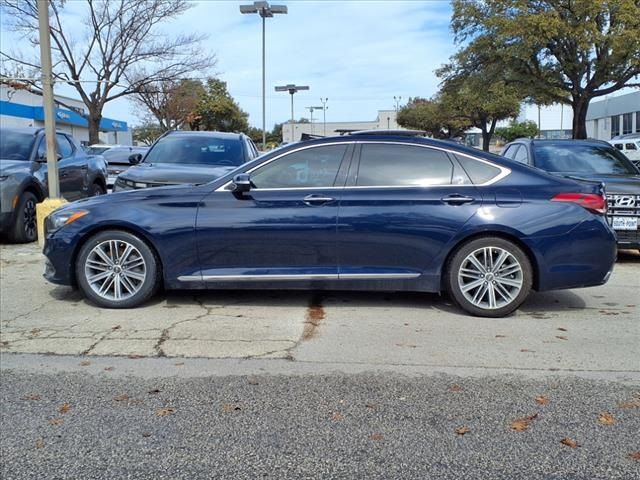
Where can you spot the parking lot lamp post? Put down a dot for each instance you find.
(292, 89)
(311, 109)
(397, 102)
(265, 11)
(324, 115)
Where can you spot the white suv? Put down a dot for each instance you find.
(630, 146)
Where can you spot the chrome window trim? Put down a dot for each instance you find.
(504, 171)
(316, 276)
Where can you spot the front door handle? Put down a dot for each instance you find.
(315, 199)
(457, 199)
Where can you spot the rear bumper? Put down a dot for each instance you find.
(585, 257)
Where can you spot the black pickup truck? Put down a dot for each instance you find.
(23, 177)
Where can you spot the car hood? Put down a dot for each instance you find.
(9, 167)
(614, 183)
(173, 173)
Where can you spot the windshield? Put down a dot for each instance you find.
(192, 149)
(591, 159)
(15, 145)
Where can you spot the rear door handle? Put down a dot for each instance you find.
(315, 199)
(457, 199)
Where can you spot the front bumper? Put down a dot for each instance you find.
(58, 250)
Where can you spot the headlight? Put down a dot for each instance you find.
(125, 184)
(56, 221)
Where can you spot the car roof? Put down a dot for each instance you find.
(28, 130)
(559, 141)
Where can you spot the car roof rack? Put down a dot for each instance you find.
(395, 133)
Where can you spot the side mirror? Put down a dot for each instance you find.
(241, 183)
(135, 159)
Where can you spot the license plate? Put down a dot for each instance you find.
(625, 223)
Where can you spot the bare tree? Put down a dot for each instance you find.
(118, 50)
(171, 103)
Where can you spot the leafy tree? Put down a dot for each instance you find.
(171, 103)
(567, 51)
(120, 50)
(147, 133)
(217, 110)
(527, 129)
(430, 116)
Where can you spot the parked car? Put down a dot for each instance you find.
(118, 160)
(180, 157)
(629, 145)
(593, 160)
(358, 212)
(23, 177)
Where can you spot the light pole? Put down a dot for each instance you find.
(311, 109)
(292, 89)
(324, 115)
(266, 11)
(397, 102)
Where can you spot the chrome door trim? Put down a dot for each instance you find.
(504, 171)
(315, 276)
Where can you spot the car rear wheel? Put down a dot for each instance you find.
(25, 227)
(489, 277)
(116, 269)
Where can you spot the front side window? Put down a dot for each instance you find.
(64, 147)
(403, 165)
(197, 150)
(618, 146)
(630, 146)
(308, 168)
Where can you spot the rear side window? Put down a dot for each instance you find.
(402, 165)
(521, 155)
(478, 171)
(630, 146)
(510, 152)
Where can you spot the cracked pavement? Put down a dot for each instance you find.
(594, 330)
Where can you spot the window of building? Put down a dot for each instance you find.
(615, 125)
(638, 122)
(312, 167)
(627, 120)
(401, 165)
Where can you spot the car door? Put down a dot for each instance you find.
(67, 182)
(72, 169)
(284, 228)
(402, 204)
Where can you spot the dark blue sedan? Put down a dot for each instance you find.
(361, 212)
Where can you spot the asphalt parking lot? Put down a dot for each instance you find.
(594, 330)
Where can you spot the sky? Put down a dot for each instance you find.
(359, 54)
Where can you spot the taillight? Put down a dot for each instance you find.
(591, 201)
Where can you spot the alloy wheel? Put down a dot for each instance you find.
(115, 270)
(29, 217)
(490, 278)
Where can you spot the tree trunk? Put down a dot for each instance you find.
(486, 137)
(94, 128)
(580, 106)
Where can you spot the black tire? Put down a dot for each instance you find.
(120, 240)
(96, 190)
(506, 299)
(24, 228)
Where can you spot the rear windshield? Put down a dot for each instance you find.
(572, 158)
(196, 150)
(15, 145)
(96, 150)
(121, 155)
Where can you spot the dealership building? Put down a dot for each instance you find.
(23, 108)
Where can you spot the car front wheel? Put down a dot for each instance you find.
(117, 269)
(489, 277)
(24, 228)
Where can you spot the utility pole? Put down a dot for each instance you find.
(292, 89)
(324, 115)
(266, 11)
(397, 102)
(311, 109)
(53, 182)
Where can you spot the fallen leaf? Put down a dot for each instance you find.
(39, 443)
(121, 398)
(370, 406)
(635, 403)
(562, 329)
(85, 363)
(376, 436)
(561, 337)
(230, 407)
(455, 388)
(146, 434)
(569, 442)
(634, 455)
(109, 369)
(56, 421)
(164, 411)
(33, 396)
(154, 391)
(523, 423)
(117, 327)
(501, 336)
(462, 430)
(35, 332)
(606, 418)
(527, 350)
(64, 408)
(179, 364)
(542, 400)
(337, 417)
(252, 381)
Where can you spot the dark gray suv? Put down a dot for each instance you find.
(23, 177)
